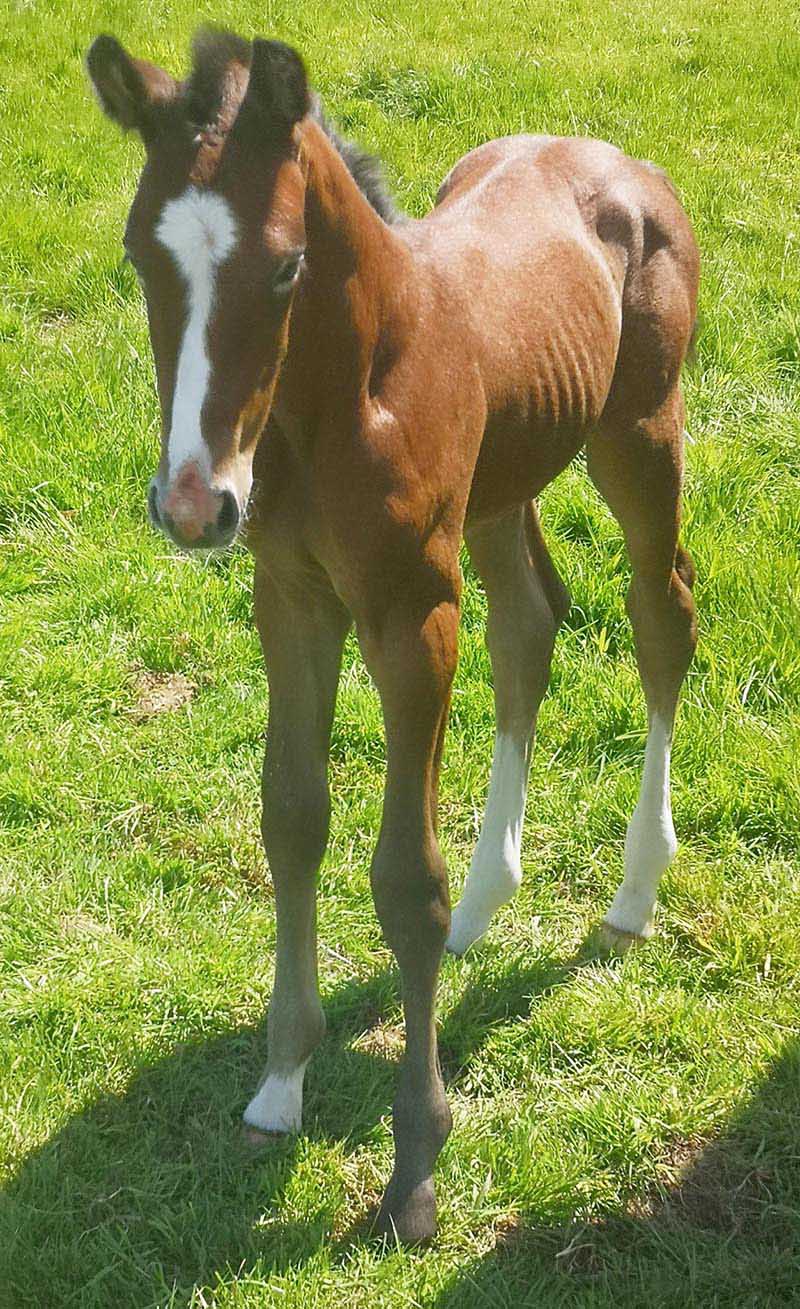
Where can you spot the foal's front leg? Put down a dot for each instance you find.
(412, 658)
(302, 627)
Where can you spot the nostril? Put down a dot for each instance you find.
(228, 518)
(152, 504)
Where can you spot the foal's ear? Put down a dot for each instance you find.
(278, 87)
(130, 91)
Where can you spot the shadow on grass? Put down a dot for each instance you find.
(724, 1232)
(148, 1194)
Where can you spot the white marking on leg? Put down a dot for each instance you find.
(495, 872)
(277, 1106)
(650, 842)
(199, 230)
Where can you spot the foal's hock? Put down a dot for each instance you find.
(389, 386)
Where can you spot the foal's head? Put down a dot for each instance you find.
(216, 234)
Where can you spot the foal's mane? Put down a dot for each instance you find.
(217, 55)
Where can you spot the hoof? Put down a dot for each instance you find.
(463, 934)
(458, 948)
(611, 940)
(407, 1216)
(277, 1106)
(256, 1140)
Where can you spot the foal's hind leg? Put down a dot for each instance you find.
(638, 467)
(527, 602)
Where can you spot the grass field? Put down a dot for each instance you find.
(626, 1133)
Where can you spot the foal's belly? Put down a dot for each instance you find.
(517, 461)
(549, 356)
(544, 420)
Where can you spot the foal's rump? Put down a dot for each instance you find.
(659, 296)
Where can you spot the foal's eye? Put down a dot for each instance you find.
(287, 273)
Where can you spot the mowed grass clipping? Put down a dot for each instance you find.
(626, 1133)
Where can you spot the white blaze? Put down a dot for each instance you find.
(495, 872)
(199, 231)
(650, 841)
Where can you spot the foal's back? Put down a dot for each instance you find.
(529, 205)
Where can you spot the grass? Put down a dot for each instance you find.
(625, 1133)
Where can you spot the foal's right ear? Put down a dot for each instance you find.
(130, 91)
(278, 88)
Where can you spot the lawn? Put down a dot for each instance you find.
(627, 1132)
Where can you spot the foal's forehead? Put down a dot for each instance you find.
(174, 168)
(197, 226)
(211, 197)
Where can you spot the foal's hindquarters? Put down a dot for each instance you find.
(634, 445)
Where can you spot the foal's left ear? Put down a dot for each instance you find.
(130, 91)
(278, 87)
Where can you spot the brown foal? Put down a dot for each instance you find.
(386, 386)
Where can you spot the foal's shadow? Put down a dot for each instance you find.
(147, 1194)
(723, 1232)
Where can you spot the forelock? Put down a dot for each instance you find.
(218, 80)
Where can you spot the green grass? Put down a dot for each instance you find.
(626, 1133)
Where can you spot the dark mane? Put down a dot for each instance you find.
(214, 52)
(365, 168)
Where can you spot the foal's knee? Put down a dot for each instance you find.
(295, 817)
(559, 600)
(520, 643)
(665, 627)
(409, 888)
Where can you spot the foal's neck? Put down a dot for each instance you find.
(339, 217)
(356, 265)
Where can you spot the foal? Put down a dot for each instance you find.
(389, 386)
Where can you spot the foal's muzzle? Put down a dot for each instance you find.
(194, 515)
